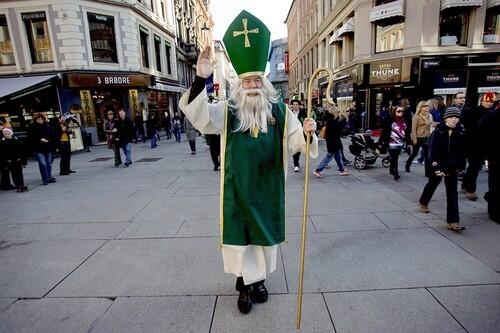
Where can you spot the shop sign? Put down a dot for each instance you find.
(455, 79)
(87, 104)
(33, 16)
(490, 81)
(108, 80)
(431, 63)
(133, 101)
(385, 72)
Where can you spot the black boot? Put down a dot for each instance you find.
(245, 300)
(407, 167)
(239, 283)
(259, 292)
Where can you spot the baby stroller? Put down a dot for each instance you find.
(366, 151)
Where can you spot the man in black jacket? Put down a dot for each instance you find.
(124, 134)
(471, 120)
(488, 129)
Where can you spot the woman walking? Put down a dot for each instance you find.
(41, 138)
(108, 128)
(336, 120)
(397, 139)
(447, 157)
(420, 132)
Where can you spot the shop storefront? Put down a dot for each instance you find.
(97, 93)
(163, 98)
(389, 81)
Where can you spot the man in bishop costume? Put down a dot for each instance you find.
(256, 131)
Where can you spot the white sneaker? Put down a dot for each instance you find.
(296, 169)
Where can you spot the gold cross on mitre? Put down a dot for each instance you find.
(245, 32)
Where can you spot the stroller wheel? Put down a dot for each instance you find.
(359, 163)
(386, 162)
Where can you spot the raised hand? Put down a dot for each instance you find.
(205, 66)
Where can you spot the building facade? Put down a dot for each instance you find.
(89, 57)
(223, 72)
(278, 66)
(384, 50)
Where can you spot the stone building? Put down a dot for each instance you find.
(278, 66)
(90, 57)
(384, 50)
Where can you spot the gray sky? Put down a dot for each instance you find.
(271, 12)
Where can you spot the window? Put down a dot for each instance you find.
(390, 37)
(492, 25)
(167, 56)
(162, 5)
(6, 51)
(453, 26)
(158, 53)
(144, 47)
(37, 32)
(102, 38)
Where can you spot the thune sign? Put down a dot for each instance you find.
(385, 72)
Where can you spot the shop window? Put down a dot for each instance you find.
(102, 38)
(37, 32)
(158, 53)
(6, 51)
(492, 26)
(389, 37)
(144, 36)
(168, 49)
(453, 26)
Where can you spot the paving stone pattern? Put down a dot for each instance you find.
(137, 250)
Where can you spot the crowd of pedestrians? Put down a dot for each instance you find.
(454, 143)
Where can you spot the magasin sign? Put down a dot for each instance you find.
(109, 80)
(385, 72)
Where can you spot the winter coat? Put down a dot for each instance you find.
(152, 126)
(488, 131)
(108, 127)
(470, 120)
(447, 151)
(39, 132)
(333, 133)
(190, 130)
(125, 133)
(11, 150)
(421, 126)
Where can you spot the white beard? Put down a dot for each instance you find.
(253, 111)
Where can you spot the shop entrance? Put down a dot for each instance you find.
(104, 101)
(381, 101)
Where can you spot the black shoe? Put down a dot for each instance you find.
(396, 176)
(52, 180)
(407, 168)
(64, 173)
(259, 292)
(239, 284)
(127, 164)
(217, 168)
(72, 171)
(245, 301)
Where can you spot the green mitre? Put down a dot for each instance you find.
(247, 44)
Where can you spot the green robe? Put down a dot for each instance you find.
(254, 183)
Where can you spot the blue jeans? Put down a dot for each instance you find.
(153, 140)
(328, 158)
(127, 150)
(44, 164)
(177, 133)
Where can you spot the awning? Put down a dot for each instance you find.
(493, 3)
(449, 91)
(385, 11)
(488, 89)
(348, 27)
(335, 37)
(14, 85)
(445, 4)
(166, 87)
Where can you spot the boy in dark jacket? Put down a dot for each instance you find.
(11, 158)
(447, 157)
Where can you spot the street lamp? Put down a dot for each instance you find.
(203, 28)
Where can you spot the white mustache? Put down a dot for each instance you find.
(252, 92)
